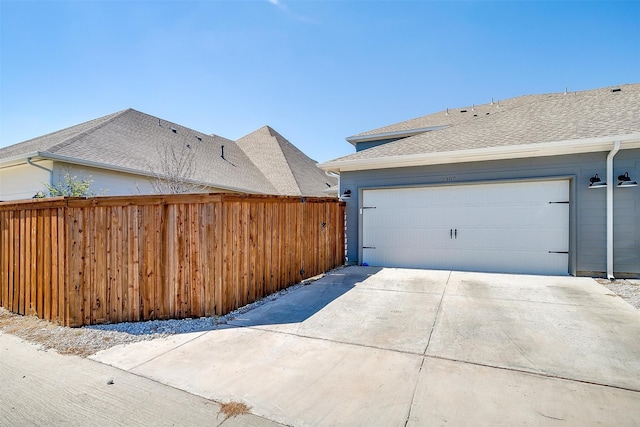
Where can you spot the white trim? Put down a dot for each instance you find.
(554, 148)
(16, 160)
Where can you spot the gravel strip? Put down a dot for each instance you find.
(89, 340)
(628, 290)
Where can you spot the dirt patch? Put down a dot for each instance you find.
(79, 341)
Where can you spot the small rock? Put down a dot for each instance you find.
(110, 382)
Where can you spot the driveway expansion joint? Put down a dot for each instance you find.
(166, 352)
(435, 319)
(352, 344)
(433, 326)
(534, 373)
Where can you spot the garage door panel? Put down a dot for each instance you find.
(514, 238)
(411, 259)
(403, 216)
(484, 260)
(428, 238)
(515, 262)
(533, 215)
(510, 227)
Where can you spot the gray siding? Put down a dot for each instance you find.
(587, 209)
(370, 144)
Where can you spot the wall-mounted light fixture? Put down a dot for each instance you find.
(346, 195)
(625, 181)
(596, 182)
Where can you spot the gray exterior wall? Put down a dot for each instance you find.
(370, 144)
(587, 245)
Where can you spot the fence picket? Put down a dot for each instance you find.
(79, 261)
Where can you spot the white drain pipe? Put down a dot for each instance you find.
(610, 185)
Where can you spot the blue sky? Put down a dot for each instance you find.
(316, 71)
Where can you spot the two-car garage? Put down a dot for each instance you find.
(511, 227)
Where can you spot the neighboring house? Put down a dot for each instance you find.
(288, 169)
(129, 152)
(509, 186)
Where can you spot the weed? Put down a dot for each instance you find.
(233, 409)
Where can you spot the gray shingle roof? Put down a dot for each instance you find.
(133, 140)
(49, 141)
(287, 168)
(523, 120)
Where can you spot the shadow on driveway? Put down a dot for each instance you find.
(304, 302)
(292, 306)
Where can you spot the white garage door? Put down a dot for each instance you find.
(505, 227)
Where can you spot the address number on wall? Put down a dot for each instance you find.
(448, 178)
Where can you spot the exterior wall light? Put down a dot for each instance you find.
(346, 195)
(625, 181)
(596, 182)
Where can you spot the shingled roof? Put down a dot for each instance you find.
(135, 142)
(287, 168)
(132, 141)
(521, 121)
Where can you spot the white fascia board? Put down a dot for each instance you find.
(555, 148)
(16, 160)
(92, 164)
(386, 135)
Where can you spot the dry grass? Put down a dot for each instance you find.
(233, 409)
(37, 331)
(78, 341)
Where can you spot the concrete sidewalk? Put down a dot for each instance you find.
(43, 388)
(366, 346)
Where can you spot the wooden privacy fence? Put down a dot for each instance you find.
(77, 261)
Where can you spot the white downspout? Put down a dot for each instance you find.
(334, 175)
(610, 186)
(43, 168)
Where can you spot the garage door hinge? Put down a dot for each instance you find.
(558, 252)
(366, 207)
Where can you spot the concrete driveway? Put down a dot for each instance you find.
(394, 347)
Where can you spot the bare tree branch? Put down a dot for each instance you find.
(175, 171)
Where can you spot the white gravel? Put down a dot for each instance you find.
(169, 327)
(627, 289)
(89, 340)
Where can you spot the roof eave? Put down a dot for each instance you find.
(89, 163)
(387, 135)
(628, 141)
(20, 158)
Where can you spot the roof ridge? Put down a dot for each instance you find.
(268, 135)
(77, 136)
(533, 99)
(277, 136)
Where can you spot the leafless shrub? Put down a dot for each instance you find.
(175, 170)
